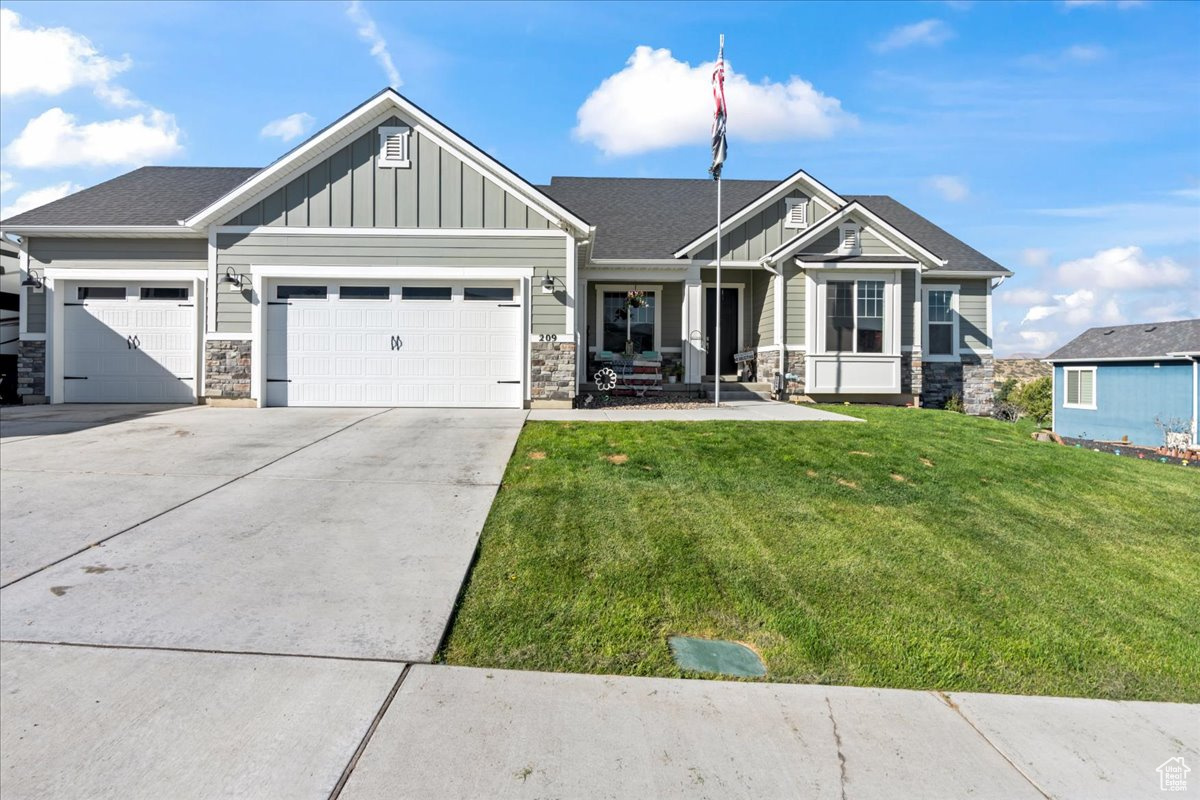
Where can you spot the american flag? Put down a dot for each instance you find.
(718, 128)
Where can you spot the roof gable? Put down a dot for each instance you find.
(811, 239)
(344, 132)
(799, 181)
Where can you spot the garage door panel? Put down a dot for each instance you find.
(101, 366)
(393, 352)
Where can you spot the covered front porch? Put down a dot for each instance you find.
(671, 315)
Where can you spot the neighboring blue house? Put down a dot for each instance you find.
(1112, 383)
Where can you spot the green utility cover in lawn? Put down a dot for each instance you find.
(714, 655)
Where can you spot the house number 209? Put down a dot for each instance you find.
(548, 337)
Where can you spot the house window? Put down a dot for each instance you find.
(364, 293)
(498, 294)
(1081, 387)
(302, 292)
(624, 322)
(797, 212)
(101, 293)
(854, 316)
(425, 293)
(393, 147)
(163, 293)
(939, 305)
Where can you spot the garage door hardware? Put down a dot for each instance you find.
(72, 304)
(74, 377)
(397, 343)
(186, 305)
(133, 342)
(278, 303)
(279, 380)
(509, 305)
(507, 381)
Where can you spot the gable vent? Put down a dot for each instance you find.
(797, 213)
(850, 238)
(393, 147)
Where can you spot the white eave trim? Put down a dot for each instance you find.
(105, 231)
(282, 230)
(1166, 357)
(934, 274)
(830, 199)
(833, 220)
(443, 136)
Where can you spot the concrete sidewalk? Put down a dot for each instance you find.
(728, 411)
(481, 733)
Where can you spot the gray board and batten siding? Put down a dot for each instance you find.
(349, 190)
(762, 232)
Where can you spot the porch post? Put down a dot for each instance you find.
(693, 335)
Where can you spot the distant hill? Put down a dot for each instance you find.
(1022, 356)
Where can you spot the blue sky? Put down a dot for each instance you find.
(1060, 138)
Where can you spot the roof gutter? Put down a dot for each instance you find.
(103, 230)
(1163, 357)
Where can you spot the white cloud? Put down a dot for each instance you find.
(1084, 52)
(658, 101)
(1022, 297)
(1035, 257)
(38, 197)
(7, 182)
(1192, 192)
(950, 187)
(50, 60)
(369, 33)
(1080, 307)
(1075, 54)
(1124, 268)
(56, 139)
(1039, 341)
(293, 126)
(929, 32)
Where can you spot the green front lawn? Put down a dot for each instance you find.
(922, 549)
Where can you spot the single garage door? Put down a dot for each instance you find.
(448, 344)
(129, 343)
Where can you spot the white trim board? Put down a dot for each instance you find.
(71, 274)
(476, 233)
(392, 273)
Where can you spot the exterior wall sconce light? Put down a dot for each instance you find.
(234, 280)
(547, 284)
(32, 279)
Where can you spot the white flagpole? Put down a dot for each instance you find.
(717, 353)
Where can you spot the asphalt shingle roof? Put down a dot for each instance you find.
(1145, 340)
(146, 196)
(635, 218)
(654, 217)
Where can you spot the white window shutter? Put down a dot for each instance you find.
(393, 147)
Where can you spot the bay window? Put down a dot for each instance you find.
(854, 316)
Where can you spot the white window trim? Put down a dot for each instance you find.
(405, 134)
(601, 288)
(926, 354)
(845, 228)
(891, 311)
(1067, 383)
(791, 203)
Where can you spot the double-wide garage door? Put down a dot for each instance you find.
(425, 343)
(129, 342)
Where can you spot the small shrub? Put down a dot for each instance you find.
(1004, 391)
(1036, 399)
(1006, 412)
(954, 403)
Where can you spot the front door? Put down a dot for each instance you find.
(729, 329)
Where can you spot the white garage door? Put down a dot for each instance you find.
(394, 344)
(129, 343)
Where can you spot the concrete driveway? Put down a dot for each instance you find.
(206, 602)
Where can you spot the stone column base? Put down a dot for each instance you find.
(552, 371)
(31, 371)
(226, 370)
